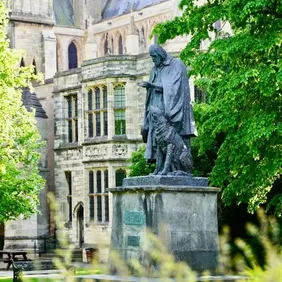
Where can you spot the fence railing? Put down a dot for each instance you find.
(40, 244)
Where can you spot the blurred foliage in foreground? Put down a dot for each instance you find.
(259, 258)
(238, 257)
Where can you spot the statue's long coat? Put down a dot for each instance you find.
(175, 102)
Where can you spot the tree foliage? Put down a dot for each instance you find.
(138, 164)
(20, 181)
(242, 73)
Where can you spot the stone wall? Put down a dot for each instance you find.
(29, 37)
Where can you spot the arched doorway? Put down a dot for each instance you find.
(80, 225)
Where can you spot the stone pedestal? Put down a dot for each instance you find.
(181, 211)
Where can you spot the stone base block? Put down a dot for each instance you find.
(183, 217)
(156, 180)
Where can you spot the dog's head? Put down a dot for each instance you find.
(156, 112)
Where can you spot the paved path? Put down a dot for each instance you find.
(6, 273)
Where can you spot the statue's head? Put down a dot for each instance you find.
(158, 54)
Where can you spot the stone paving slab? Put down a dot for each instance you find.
(103, 277)
(5, 273)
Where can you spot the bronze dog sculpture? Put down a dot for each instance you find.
(172, 155)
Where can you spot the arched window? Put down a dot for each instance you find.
(106, 45)
(22, 64)
(97, 111)
(120, 45)
(34, 66)
(72, 52)
(142, 40)
(58, 55)
(112, 50)
(120, 175)
(119, 108)
(143, 37)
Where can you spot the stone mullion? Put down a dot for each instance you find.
(102, 194)
(111, 178)
(101, 115)
(84, 112)
(111, 118)
(101, 111)
(94, 195)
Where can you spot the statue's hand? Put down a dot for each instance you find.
(144, 133)
(145, 84)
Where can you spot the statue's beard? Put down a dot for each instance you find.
(158, 64)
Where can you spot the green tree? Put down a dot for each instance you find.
(241, 72)
(20, 181)
(139, 165)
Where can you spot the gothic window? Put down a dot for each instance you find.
(34, 66)
(72, 118)
(112, 46)
(119, 109)
(120, 45)
(143, 38)
(200, 96)
(106, 45)
(97, 111)
(58, 55)
(69, 196)
(98, 195)
(72, 53)
(120, 175)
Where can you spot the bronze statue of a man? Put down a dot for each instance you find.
(167, 90)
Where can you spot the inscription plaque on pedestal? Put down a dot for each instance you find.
(133, 241)
(134, 218)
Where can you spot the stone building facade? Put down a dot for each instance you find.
(92, 54)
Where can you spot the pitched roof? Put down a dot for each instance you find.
(114, 8)
(63, 10)
(31, 101)
(64, 13)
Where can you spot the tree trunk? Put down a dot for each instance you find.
(2, 236)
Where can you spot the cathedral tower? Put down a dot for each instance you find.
(35, 11)
(31, 29)
(85, 8)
